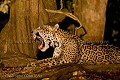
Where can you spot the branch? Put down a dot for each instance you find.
(65, 13)
(88, 71)
(61, 4)
(68, 71)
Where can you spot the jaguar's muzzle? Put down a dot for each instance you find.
(40, 41)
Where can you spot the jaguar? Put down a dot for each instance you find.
(70, 48)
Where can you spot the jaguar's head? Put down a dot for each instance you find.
(44, 35)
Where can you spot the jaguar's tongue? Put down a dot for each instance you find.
(40, 45)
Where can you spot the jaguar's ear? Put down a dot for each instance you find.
(53, 28)
(56, 27)
(39, 27)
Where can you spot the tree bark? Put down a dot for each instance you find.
(65, 72)
(92, 15)
(25, 15)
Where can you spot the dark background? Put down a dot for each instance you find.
(112, 27)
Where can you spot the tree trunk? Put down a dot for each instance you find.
(25, 15)
(92, 15)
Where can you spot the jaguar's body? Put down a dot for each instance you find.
(68, 48)
(71, 49)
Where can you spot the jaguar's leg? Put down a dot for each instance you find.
(57, 52)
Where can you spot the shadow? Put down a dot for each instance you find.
(47, 54)
(4, 18)
(58, 4)
(67, 22)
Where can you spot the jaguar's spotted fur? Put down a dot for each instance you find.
(71, 49)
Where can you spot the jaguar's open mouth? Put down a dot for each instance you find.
(40, 42)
